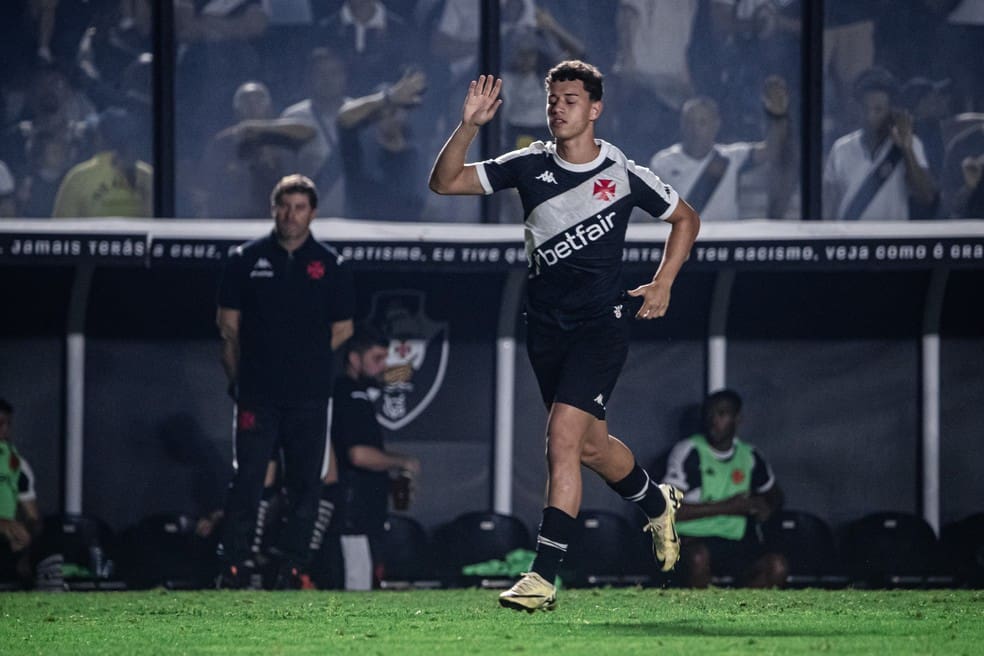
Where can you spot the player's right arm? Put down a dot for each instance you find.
(451, 175)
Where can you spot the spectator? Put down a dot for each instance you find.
(651, 70)
(285, 304)
(365, 465)
(928, 101)
(8, 201)
(727, 485)
(249, 156)
(523, 113)
(878, 172)
(319, 158)
(369, 38)
(49, 157)
(736, 45)
(969, 200)
(379, 153)
(118, 38)
(114, 182)
(20, 521)
(707, 173)
(217, 40)
(848, 50)
(53, 106)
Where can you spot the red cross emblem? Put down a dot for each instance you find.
(402, 349)
(316, 270)
(604, 189)
(246, 420)
(737, 476)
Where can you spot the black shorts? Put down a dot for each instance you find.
(729, 557)
(579, 366)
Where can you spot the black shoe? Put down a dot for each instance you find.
(292, 577)
(235, 576)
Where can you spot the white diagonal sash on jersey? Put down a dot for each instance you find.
(576, 205)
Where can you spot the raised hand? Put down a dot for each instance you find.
(407, 91)
(482, 101)
(775, 96)
(902, 129)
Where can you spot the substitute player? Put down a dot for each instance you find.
(577, 194)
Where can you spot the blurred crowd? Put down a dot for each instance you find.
(358, 95)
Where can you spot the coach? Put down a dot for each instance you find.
(285, 303)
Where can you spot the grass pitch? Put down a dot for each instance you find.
(595, 621)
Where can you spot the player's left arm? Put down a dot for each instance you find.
(684, 226)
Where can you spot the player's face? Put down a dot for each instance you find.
(373, 362)
(721, 424)
(293, 214)
(570, 111)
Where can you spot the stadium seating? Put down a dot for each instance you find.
(478, 537)
(607, 551)
(404, 555)
(893, 550)
(808, 544)
(962, 545)
(163, 550)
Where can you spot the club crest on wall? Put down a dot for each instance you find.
(418, 355)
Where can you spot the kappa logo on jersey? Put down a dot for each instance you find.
(574, 240)
(547, 176)
(316, 270)
(417, 359)
(618, 311)
(600, 400)
(604, 189)
(262, 269)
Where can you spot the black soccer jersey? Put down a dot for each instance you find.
(576, 216)
(364, 492)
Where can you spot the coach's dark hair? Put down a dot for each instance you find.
(365, 336)
(295, 184)
(723, 395)
(5, 407)
(575, 69)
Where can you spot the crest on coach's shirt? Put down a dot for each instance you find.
(418, 355)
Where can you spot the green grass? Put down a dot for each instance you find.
(469, 622)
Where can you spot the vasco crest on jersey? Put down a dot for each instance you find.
(417, 359)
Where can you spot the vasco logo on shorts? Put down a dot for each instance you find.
(574, 240)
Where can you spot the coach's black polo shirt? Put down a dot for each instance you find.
(288, 302)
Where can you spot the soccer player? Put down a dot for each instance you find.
(577, 194)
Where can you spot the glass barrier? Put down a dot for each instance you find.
(76, 111)
(903, 135)
(361, 94)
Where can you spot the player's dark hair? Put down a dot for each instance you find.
(728, 396)
(575, 69)
(5, 407)
(364, 338)
(295, 184)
